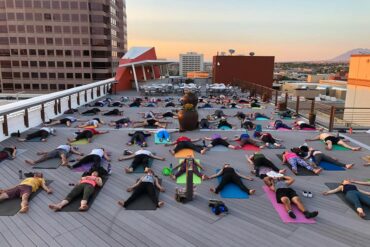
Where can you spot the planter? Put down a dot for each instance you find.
(188, 120)
(265, 97)
(190, 98)
(312, 118)
(281, 106)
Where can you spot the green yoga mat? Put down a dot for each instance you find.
(338, 147)
(82, 141)
(11, 207)
(182, 178)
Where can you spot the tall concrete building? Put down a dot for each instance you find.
(52, 45)
(191, 62)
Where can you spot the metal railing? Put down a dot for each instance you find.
(331, 116)
(29, 113)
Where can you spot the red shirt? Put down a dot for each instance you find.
(94, 131)
(183, 139)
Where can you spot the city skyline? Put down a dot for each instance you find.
(291, 31)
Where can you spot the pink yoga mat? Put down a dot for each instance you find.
(249, 147)
(283, 214)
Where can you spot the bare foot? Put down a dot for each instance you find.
(24, 210)
(160, 204)
(203, 151)
(251, 192)
(30, 162)
(368, 164)
(129, 189)
(282, 171)
(121, 203)
(83, 208)
(173, 177)
(128, 170)
(212, 190)
(317, 171)
(349, 166)
(55, 207)
(172, 152)
(356, 149)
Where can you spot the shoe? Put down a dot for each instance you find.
(109, 169)
(310, 215)
(309, 194)
(292, 214)
(305, 193)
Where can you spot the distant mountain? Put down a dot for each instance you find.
(347, 55)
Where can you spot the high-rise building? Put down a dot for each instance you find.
(52, 45)
(191, 62)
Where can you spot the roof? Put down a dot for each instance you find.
(147, 63)
(135, 52)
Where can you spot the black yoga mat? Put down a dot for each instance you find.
(48, 164)
(342, 197)
(140, 168)
(12, 206)
(301, 170)
(74, 205)
(143, 202)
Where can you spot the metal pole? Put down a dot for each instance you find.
(331, 121)
(189, 182)
(135, 77)
(297, 106)
(5, 125)
(276, 98)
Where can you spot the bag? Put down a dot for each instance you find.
(218, 207)
(180, 195)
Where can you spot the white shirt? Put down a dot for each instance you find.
(300, 122)
(146, 152)
(46, 128)
(66, 148)
(98, 151)
(72, 119)
(93, 122)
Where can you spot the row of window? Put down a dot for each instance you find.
(50, 64)
(35, 86)
(44, 29)
(42, 52)
(43, 41)
(43, 75)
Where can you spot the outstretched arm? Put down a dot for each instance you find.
(126, 157)
(44, 187)
(195, 140)
(106, 156)
(316, 138)
(207, 138)
(336, 190)
(157, 157)
(360, 182)
(158, 185)
(364, 192)
(288, 180)
(217, 174)
(245, 177)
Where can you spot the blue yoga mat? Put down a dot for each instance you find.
(330, 167)
(231, 190)
(262, 119)
(225, 128)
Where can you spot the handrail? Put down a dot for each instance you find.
(21, 105)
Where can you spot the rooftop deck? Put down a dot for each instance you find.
(252, 222)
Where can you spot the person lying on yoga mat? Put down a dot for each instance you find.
(356, 197)
(62, 152)
(184, 142)
(92, 111)
(87, 133)
(146, 115)
(299, 125)
(170, 104)
(294, 160)
(268, 139)
(205, 105)
(163, 134)
(67, 121)
(141, 157)
(218, 114)
(96, 122)
(285, 195)
(114, 112)
(86, 187)
(245, 139)
(287, 114)
(255, 115)
(136, 103)
(224, 123)
(218, 140)
(181, 168)
(120, 122)
(233, 105)
(25, 189)
(261, 165)
(147, 184)
(278, 124)
(8, 153)
(150, 123)
(139, 137)
(331, 140)
(317, 156)
(95, 157)
(43, 134)
(101, 103)
(230, 175)
(115, 104)
(240, 115)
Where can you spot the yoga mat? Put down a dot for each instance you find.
(262, 119)
(90, 127)
(184, 153)
(281, 210)
(36, 139)
(224, 128)
(342, 197)
(48, 164)
(76, 202)
(182, 178)
(283, 129)
(301, 170)
(272, 146)
(249, 147)
(338, 147)
(88, 114)
(144, 202)
(12, 206)
(19, 152)
(83, 168)
(157, 140)
(219, 148)
(231, 190)
(330, 167)
(80, 142)
(140, 169)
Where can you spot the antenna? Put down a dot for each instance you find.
(251, 54)
(231, 51)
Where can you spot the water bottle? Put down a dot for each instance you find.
(171, 166)
(20, 174)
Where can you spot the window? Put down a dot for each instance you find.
(66, 29)
(33, 52)
(86, 64)
(12, 28)
(68, 53)
(50, 52)
(48, 29)
(3, 29)
(42, 64)
(83, 5)
(4, 52)
(84, 30)
(18, 3)
(53, 87)
(49, 41)
(38, 17)
(86, 53)
(65, 17)
(65, 5)
(77, 64)
(56, 5)
(25, 75)
(57, 29)
(70, 86)
(83, 18)
(20, 16)
(76, 41)
(61, 75)
(46, 4)
(74, 5)
(23, 52)
(26, 86)
(22, 40)
(69, 75)
(41, 52)
(8, 86)
(56, 17)
(18, 86)
(47, 17)
(28, 4)
(11, 16)
(24, 64)
(75, 18)
(59, 52)
(33, 63)
(60, 64)
(87, 76)
(62, 87)
(15, 63)
(39, 29)
(44, 87)
(67, 41)
(29, 16)
(16, 75)
(13, 40)
(43, 75)
(52, 76)
(4, 41)
(14, 51)
(35, 86)
(69, 64)
(40, 41)
(77, 53)
(75, 30)
(51, 64)
(30, 29)
(5, 64)
(7, 75)
(9, 4)
(31, 41)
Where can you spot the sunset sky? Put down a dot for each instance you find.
(290, 30)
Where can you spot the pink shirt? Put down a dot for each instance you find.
(290, 155)
(88, 181)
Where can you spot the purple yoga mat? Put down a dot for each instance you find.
(83, 168)
(283, 214)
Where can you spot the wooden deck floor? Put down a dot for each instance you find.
(251, 222)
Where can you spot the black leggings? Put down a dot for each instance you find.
(138, 137)
(306, 126)
(231, 177)
(85, 189)
(91, 158)
(267, 138)
(143, 188)
(263, 162)
(182, 170)
(323, 157)
(141, 159)
(91, 111)
(112, 113)
(43, 134)
(84, 134)
(186, 144)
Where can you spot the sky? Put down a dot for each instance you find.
(290, 30)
